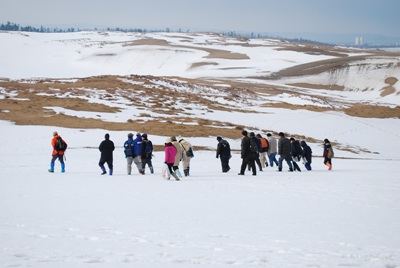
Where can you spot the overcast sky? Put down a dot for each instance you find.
(261, 16)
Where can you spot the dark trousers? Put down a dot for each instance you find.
(148, 162)
(249, 160)
(225, 163)
(59, 156)
(108, 161)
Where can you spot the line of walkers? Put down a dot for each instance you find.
(255, 150)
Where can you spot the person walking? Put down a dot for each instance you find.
(224, 153)
(296, 152)
(328, 154)
(170, 156)
(272, 149)
(129, 148)
(307, 155)
(178, 156)
(248, 154)
(187, 155)
(284, 149)
(147, 154)
(106, 148)
(59, 146)
(137, 155)
(264, 150)
(255, 140)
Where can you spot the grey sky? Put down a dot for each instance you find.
(261, 16)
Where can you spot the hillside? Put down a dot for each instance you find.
(191, 84)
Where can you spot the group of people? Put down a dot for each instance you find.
(138, 151)
(256, 149)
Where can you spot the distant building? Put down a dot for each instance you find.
(359, 41)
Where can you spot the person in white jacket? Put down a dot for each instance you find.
(272, 150)
(187, 155)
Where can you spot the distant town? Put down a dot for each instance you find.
(359, 41)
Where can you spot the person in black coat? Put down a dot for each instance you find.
(106, 148)
(248, 156)
(147, 154)
(328, 154)
(224, 153)
(296, 153)
(307, 155)
(284, 149)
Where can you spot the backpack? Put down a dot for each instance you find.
(128, 149)
(253, 146)
(264, 144)
(330, 153)
(60, 145)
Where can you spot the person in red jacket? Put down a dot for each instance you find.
(170, 153)
(59, 147)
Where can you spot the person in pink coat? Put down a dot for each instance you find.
(170, 153)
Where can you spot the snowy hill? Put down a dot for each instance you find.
(306, 91)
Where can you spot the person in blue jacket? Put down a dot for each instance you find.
(129, 149)
(137, 156)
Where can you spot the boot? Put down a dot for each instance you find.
(111, 172)
(62, 167)
(329, 166)
(103, 169)
(51, 167)
(178, 173)
(188, 170)
(175, 176)
(151, 170)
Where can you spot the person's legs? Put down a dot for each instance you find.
(101, 165)
(129, 161)
(280, 162)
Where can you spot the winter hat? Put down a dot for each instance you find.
(244, 133)
(269, 134)
(55, 133)
(138, 134)
(219, 138)
(281, 134)
(173, 138)
(107, 136)
(252, 134)
(130, 135)
(168, 140)
(291, 139)
(144, 135)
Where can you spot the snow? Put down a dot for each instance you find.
(348, 217)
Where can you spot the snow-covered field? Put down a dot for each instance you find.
(348, 217)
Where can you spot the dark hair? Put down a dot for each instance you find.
(219, 138)
(244, 133)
